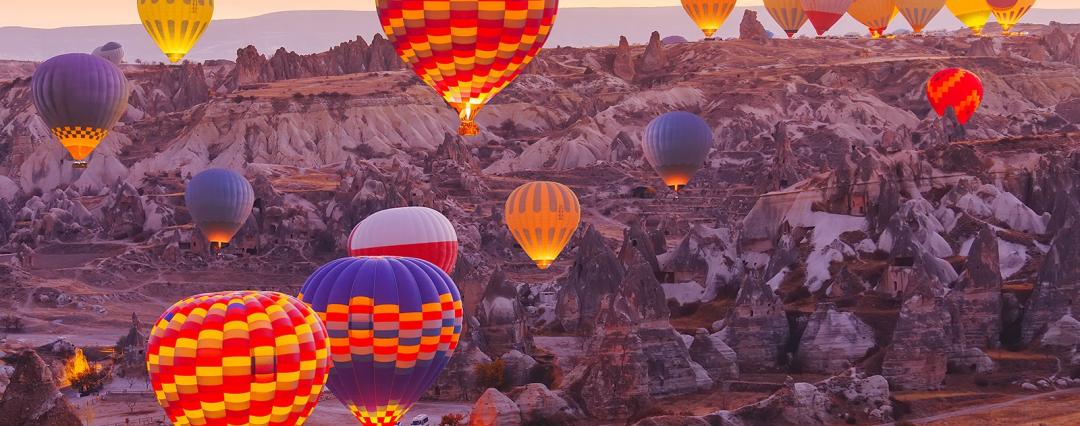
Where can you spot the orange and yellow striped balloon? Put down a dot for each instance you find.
(709, 15)
(238, 358)
(972, 13)
(468, 51)
(789, 14)
(919, 13)
(1009, 15)
(543, 216)
(875, 14)
(176, 25)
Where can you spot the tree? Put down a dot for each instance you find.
(12, 323)
(490, 374)
(453, 419)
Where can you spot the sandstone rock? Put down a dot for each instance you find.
(1062, 334)
(517, 368)
(32, 397)
(1057, 43)
(623, 64)
(1074, 53)
(719, 360)
(705, 252)
(756, 328)
(975, 301)
(494, 409)
(502, 318)
(983, 46)
(970, 360)
(1057, 285)
(654, 60)
(458, 381)
(917, 358)
(539, 404)
(635, 239)
(751, 29)
(346, 58)
(833, 340)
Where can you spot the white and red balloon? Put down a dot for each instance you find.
(417, 232)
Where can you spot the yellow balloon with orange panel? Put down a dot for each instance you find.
(972, 13)
(1009, 12)
(176, 25)
(875, 14)
(709, 15)
(788, 14)
(543, 216)
(919, 13)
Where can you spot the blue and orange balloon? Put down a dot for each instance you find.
(676, 145)
(394, 323)
(219, 201)
(80, 97)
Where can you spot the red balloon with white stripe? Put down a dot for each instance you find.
(417, 232)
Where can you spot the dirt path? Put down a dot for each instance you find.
(985, 408)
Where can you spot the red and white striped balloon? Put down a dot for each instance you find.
(417, 232)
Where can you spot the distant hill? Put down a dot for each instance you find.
(314, 31)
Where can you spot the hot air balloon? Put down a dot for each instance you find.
(824, 13)
(468, 51)
(1009, 12)
(394, 323)
(788, 14)
(709, 15)
(238, 358)
(919, 13)
(219, 201)
(875, 14)
(957, 88)
(80, 97)
(972, 13)
(417, 232)
(111, 51)
(542, 216)
(676, 144)
(176, 25)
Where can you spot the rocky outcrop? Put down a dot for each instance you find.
(1058, 284)
(719, 360)
(459, 380)
(983, 46)
(503, 320)
(975, 301)
(540, 405)
(706, 252)
(751, 29)
(833, 341)
(622, 64)
(654, 60)
(32, 397)
(347, 58)
(756, 328)
(1063, 334)
(917, 358)
(494, 409)
(1057, 43)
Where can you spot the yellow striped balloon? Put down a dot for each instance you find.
(789, 14)
(875, 14)
(175, 25)
(919, 13)
(543, 216)
(709, 15)
(972, 13)
(1008, 16)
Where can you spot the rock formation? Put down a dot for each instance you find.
(757, 327)
(751, 29)
(1058, 284)
(975, 301)
(622, 64)
(540, 405)
(503, 322)
(833, 340)
(32, 397)
(719, 360)
(347, 58)
(494, 409)
(918, 355)
(654, 60)
(708, 253)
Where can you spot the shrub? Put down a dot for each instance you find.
(490, 374)
(452, 419)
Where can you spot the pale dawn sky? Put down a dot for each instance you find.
(63, 13)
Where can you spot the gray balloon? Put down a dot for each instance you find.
(111, 51)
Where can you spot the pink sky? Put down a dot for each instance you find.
(44, 13)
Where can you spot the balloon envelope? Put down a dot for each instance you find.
(919, 13)
(789, 14)
(467, 51)
(111, 51)
(957, 88)
(237, 358)
(417, 232)
(972, 13)
(176, 25)
(542, 216)
(676, 145)
(80, 97)
(709, 15)
(823, 14)
(1009, 12)
(219, 201)
(874, 14)
(394, 323)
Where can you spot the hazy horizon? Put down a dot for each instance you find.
(115, 12)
